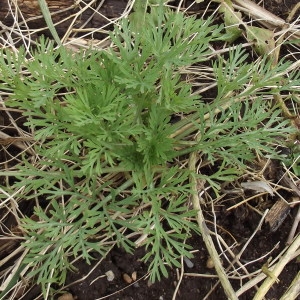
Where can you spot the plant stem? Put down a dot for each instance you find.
(269, 281)
(205, 232)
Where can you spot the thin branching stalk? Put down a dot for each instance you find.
(205, 231)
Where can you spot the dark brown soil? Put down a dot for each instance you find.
(199, 281)
(280, 8)
(89, 282)
(196, 283)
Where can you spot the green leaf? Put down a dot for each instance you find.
(47, 15)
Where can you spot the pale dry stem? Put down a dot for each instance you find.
(277, 269)
(206, 234)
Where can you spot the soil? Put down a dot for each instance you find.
(191, 286)
(89, 282)
(199, 281)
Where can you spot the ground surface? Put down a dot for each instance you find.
(198, 281)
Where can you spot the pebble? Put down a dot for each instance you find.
(127, 278)
(110, 275)
(134, 276)
(67, 296)
(210, 263)
(188, 262)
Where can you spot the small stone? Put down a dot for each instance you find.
(127, 278)
(134, 276)
(210, 263)
(67, 296)
(188, 262)
(110, 275)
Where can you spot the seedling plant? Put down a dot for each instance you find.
(113, 130)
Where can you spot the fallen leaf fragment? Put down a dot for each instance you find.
(263, 39)
(277, 214)
(258, 186)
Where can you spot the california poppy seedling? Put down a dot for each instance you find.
(111, 162)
